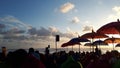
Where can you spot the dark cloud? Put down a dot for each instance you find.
(32, 31)
(43, 32)
(16, 31)
(13, 28)
(46, 32)
(2, 26)
(20, 37)
(11, 24)
(12, 31)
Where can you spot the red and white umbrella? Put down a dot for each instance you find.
(112, 40)
(110, 28)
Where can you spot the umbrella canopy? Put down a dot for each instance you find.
(69, 44)
(112, 40)
(64, 45)
(93, 35)
(79, 39)
(110, 28)
(118, 45)
(99, 42)
(75, 41)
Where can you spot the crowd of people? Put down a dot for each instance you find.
(20, 58)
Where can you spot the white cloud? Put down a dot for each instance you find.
(111, 16)
(115, 15)
(87, 28)
(53, 29)
(87, 22)
(100, 2)
(11, 19)
(66, 7)
(75, 20)
(71, 32)
(116, 9)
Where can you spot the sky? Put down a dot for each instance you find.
(34, 23)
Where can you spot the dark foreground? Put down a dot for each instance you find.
(34, 59)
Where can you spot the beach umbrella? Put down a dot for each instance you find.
(70, 44)
(118, 45)
(75, 41)
(64, 45)
(78, 40)
(110, 28)
(112, 40)
(99, 42)
(89, 44)
(93, 35)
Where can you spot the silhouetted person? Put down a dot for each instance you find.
(15, 59)
(3, 54)
(47, 50)
(21, 59)
(33, 53)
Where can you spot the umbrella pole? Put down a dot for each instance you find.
(92, 45)
(67, 49)
(113, 43)
(79, 48)
(56, 46)
(72, 47)
(99, 44)
(113, 46)
(99, 47)
(90, 48)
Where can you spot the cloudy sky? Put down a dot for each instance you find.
(34, 23)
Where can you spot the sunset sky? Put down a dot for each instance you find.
(38, 21)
